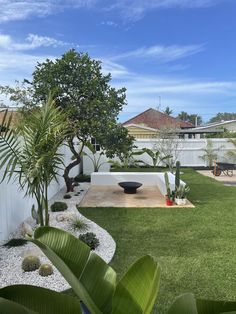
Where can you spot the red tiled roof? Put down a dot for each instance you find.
(155, 119)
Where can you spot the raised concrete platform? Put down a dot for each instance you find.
(113, 196)
(155, 179)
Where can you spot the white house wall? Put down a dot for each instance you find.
(14, 207)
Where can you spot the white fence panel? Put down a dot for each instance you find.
(14, 207)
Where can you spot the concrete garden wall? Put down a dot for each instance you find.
(15, 208)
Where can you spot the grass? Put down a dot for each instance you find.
(196, 248)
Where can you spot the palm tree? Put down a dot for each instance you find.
(29, 152)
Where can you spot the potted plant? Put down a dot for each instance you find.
(180, 194)
(169, 194)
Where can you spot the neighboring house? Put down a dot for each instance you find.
(147, 124)
(13, 110)
(216, 127)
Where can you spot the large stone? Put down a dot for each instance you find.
(26, 229)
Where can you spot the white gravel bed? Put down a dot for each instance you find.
(11, 258)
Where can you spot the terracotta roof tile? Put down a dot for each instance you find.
(155, 119)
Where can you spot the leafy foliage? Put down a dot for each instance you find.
(210, 153)
(191, 118)
(223, 116)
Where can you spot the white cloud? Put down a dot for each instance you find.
(32, 41)
(19, 10)
(135, 9)
(194, 95)
(162, 53)
(129, 9)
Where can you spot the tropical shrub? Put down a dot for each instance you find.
(90, 239)
(58, 206)
(29, 153)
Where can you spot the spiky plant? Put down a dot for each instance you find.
(29, 153)
(232, 153)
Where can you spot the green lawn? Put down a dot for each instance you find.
(196, 248)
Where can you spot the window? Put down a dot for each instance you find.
(95, 144)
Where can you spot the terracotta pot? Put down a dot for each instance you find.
(169, 202)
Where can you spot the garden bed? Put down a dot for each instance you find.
(11, 258)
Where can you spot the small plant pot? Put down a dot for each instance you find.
(180, 201)
(168, 201)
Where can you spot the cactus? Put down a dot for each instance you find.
(168, 191)
(45, 270)
(30, 263)
(177, 176)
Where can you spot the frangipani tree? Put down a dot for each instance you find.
(29, 153)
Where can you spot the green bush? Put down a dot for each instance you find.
(67, 196)
(15, 242)
(30, 263)
(58, 206)
(45, 270)
(90, 239)
(82, 178)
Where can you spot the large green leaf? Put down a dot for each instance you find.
(215, 307)
(137, 290)
(39, 300)
(187, 304)
(184, 304)
(9, 307)
(88, 275)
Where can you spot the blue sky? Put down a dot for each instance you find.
(181, 50)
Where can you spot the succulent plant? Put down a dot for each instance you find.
(58, 206)
(30, 263)
(90, 239)
(45, 270)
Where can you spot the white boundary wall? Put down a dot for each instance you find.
(189, 150)
(14, 207)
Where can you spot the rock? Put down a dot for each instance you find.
(65, 217)
(26, 230)
(35, 252)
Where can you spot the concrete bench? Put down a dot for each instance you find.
(146, 178)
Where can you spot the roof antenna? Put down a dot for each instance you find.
(159, 105)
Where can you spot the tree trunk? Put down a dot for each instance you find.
(68, 180)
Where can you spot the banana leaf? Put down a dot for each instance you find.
(25, 299)
(137, 290)
(92, 280)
